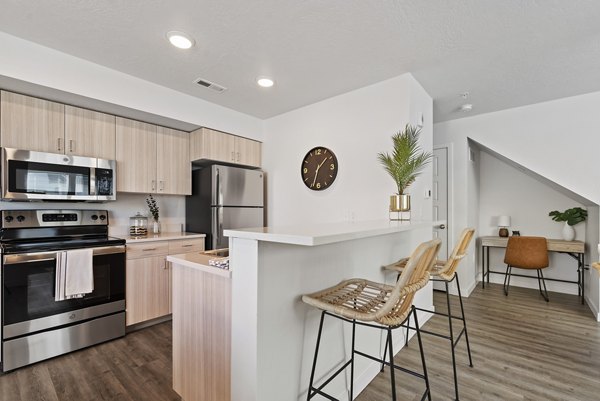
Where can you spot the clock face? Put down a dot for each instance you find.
(319, 168)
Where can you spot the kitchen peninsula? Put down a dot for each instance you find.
(273, 333)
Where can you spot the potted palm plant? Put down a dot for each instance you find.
(404, 164)
(571, 217)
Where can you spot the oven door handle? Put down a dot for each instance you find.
(48, 256)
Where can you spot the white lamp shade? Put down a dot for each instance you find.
(503, 221)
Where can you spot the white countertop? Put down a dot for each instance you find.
(161, 237)
(199, 262)
(321, 234)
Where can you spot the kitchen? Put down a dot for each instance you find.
(377, 109)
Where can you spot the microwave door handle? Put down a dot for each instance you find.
(93, 181)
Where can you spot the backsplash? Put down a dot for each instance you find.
(172, 210)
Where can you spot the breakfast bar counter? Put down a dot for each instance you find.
(273, 333)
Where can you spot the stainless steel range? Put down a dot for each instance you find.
(34, 246)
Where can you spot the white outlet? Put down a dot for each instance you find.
(427, 193)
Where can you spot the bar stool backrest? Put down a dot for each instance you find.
(414, 277)
(448, 271)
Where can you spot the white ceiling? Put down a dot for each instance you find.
(505, 53)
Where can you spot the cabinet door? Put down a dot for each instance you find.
(148, 289)
(212, 145)
(30, 123)
(89, 133)
(136, 156)
(247, 152)
(173, 167)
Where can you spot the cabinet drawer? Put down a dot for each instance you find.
(147, 249)
(186, 246)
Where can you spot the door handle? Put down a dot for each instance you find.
(442, 226)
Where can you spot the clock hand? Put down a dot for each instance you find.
(317, 171)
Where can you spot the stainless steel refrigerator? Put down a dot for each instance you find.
(224, 197)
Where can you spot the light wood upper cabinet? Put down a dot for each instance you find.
(247, 152)
(89, 133)
(209, 144)
(136, 156)
(173, 167)
(30, 123)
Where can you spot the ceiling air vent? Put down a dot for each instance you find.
(210, 85)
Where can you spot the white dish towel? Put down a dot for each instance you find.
(74, 274)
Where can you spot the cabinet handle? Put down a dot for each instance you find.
(149, 249)
(187, 246)
(232, 156)
(153, 185)
(59, 147)
(238, 153)
(165, 264)
(162, 186)
(71, 145)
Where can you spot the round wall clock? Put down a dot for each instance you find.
(319, 168)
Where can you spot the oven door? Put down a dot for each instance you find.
(28, 288)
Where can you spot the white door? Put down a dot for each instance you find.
(440, 202)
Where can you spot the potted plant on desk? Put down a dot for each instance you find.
(571, 217)
(404, 165)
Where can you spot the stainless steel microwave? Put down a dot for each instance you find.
(29, 176)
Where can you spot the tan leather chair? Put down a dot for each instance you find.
(527, 253)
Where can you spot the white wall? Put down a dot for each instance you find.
(355, 126)
(41, 65)
(172, 210)
(505, 190)
(555, 139)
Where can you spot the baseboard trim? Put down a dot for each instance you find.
(593, 308)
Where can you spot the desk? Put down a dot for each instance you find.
(575, 249)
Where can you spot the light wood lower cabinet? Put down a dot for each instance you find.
(148, 280)
(201, 335)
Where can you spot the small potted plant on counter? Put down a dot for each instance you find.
(405, 163)
(571, 217)
(154, 211)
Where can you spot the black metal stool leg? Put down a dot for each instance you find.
(425, 376)
(312, 372)
(462, 312)
(452, 340)
(407, 331)
(352, 363)
(392, 374)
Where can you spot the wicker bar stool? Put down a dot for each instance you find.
(380, 306)
(445, 271)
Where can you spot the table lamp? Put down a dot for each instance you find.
(503, 223)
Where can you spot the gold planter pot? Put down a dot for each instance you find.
(400, 207)
(400, 203)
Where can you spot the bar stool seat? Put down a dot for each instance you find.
(445, 271)
(381, 306)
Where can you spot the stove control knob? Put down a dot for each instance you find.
(94, 217)
(102, 217)
(8, 219)
(20, 218)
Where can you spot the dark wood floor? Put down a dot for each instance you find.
(523, 349)
(136, 367)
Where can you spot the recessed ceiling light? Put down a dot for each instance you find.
(180, 39)
(265, 82)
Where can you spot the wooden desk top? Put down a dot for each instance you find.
(554, 245)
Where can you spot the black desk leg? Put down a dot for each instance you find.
(487, 249)
(483, 267)
(582, 278)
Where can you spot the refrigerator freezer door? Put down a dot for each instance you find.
(233, 186)
(224, 218)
